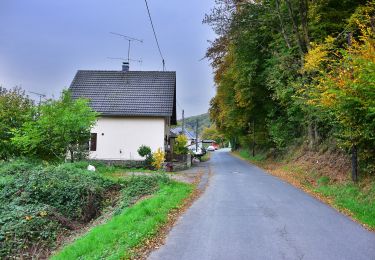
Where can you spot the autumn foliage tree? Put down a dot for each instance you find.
(285, 74)
(344, 87)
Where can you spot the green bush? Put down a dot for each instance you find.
(144, 150)
(37, 203)
(17, 166)
(24, 226)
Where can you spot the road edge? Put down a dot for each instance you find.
(326, 200)
(155, 242)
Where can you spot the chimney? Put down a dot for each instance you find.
(125, 66)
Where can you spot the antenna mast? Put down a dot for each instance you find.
(40, 96)
(129, 39)
(118, 58)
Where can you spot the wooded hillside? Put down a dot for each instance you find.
(204, 121)
(295, 72)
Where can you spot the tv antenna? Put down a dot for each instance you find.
(129, 39)
(115, 58)
(40, 96)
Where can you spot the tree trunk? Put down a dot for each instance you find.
(303, 9)
(295, 28)
(310, 132)
(354, 163)
(283, 32)
(316, 134)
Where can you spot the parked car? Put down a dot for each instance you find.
(211, 148)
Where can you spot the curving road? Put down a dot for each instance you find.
(248, 214)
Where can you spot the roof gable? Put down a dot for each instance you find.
(128, 93)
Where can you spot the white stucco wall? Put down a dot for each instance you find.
(119, 138)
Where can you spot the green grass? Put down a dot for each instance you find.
(360, 202)
(245, 154)
(5, 180)
(116, 238)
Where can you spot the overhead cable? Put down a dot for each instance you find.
(156, 38)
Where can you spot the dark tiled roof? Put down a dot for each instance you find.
(128, 93)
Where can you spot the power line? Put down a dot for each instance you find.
(156, 38)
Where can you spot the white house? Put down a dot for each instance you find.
(136, 108)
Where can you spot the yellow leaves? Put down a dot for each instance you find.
(317, 55)
(182, 139)
(43, 213)
(158, 159)
(328, 99)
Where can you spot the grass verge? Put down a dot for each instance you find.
(206, 157)
(356, 200)
(117, 238)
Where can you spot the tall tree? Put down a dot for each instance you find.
(62, 126)
(15, 110)
(258, 60)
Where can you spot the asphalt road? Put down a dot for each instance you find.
(248, 214)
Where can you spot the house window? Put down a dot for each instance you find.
(93, 140)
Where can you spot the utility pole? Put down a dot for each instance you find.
(196, 136)
(183, 121)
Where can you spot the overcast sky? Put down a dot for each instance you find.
(43, 43)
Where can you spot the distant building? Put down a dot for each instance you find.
(190, 135)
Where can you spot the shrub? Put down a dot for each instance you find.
(180, 145)
(17, 166)
(145, 151)
(158, 159)
(26, 226)
(37, 203)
